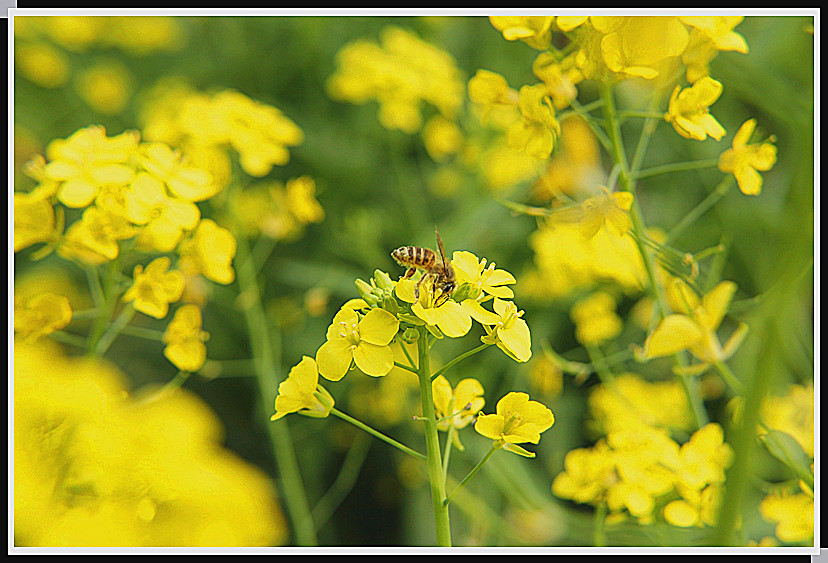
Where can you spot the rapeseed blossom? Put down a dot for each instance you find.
(793, 515)
(301, 392)
(209, 251)
(364, 341)
(34, 220)
(155, 288)
(535, 31)
(164, 219)
(106, 87)
(490, 280)
(41, 315)
(504, 327)
(457, 407)
(95, 467)
(452, 319)
(688, 110)
(792, 413)
(745, 160)
(595, 319)
(517, 420)
(94, 239)
(537, 131)
(184, 339)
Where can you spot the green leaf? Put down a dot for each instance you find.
(786, 449)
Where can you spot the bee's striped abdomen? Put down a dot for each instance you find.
(415, 256)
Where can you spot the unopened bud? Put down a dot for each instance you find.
(383, 280)
(411, 335)
(366, 292)
(465, 291)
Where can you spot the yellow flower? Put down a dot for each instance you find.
(640, 43)
(698, 54)
(301, 202)
(168, 165)
(595, 319)
(259, 132)
(34, 220)
(688, 110)
(362, 341)
(535, 31)
(106, 87)
(41, 315)
(95, 467)
(42, 64)
(517, 420)
(94, 239)
(301, 392)
(489, 89)
(442, 138)
(164, 218)
(696, 330)
(155, 288)
(508, 330)
(793, 413)
(587, 474)
(574, 169)
(610, 209)
(743, 160)
(459, 406)
(210, 252)
(560, 77)
(185, 339)
(793, 514)
(469, 269)
(88, 160)
(536, 132)
(450, 317)
(720, 31)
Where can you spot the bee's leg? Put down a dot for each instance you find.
(417, 287)
(409, 272)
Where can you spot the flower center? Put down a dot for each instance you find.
(350, 333)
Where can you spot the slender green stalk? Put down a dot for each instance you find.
(703, 207)
(675, 167)
(435, 469)
(638, 113)
(264, 348)
(345, 480)
(143, 332)
(114, 330)
(599, 534)
(447, 451)
(106, 298)
(463, 356)
(68, 338)
(405, 367)
(470, 474)
(86, 313)
(730, 378)
(377, 434)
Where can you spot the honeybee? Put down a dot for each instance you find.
(437, 270)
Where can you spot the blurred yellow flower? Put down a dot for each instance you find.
(560, 77)
(165, 218)
(720, 31)
(640, 43)
(42, 64)
(745, 160)
(155, 288)
(535, 31)
(575, 168)
(441, 137)
(698, 54)
(364, 342)
(88, 160)
(210, 252)
(595, 319)
(489, 89)
(536, 133)
(792, 413)
(41, 315)
(696, 330)
(34, 220)
(94, 467)
(184, 339)
(517, 420)
(301, 392)
(105, 86)
(688, 110)
(793, 514)
(300, 200)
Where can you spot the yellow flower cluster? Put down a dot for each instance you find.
(793, 413)
(631, 402)
(401, 73)
(279, 211)
(205, 126)
(793, 515)
(631, 469)
(96, 467)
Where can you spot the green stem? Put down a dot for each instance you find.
(68, 338)
(114, 330)
(435, 469)
(377, 434)
(345, 480)
(264, 348)
(638, 113)
(142, 332)
(599, 534)
(405, 367)
(471, 474)
(730, 378)
(105, 298)
(447, 451)
(703, 207)
(676, 167)
(463, 356)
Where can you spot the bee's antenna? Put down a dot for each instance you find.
(440, 245)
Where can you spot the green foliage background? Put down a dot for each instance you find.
(373, 186)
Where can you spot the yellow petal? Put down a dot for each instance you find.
(716, 303)
(334, 359)
(511, 403)
(673, 334)
(441, 390)
(516, 341)
(514, 448)
(372, 359)
(680, 513)
(479, 313)
(490, 425)
(378, 327)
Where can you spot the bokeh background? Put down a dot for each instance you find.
(381, 189)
